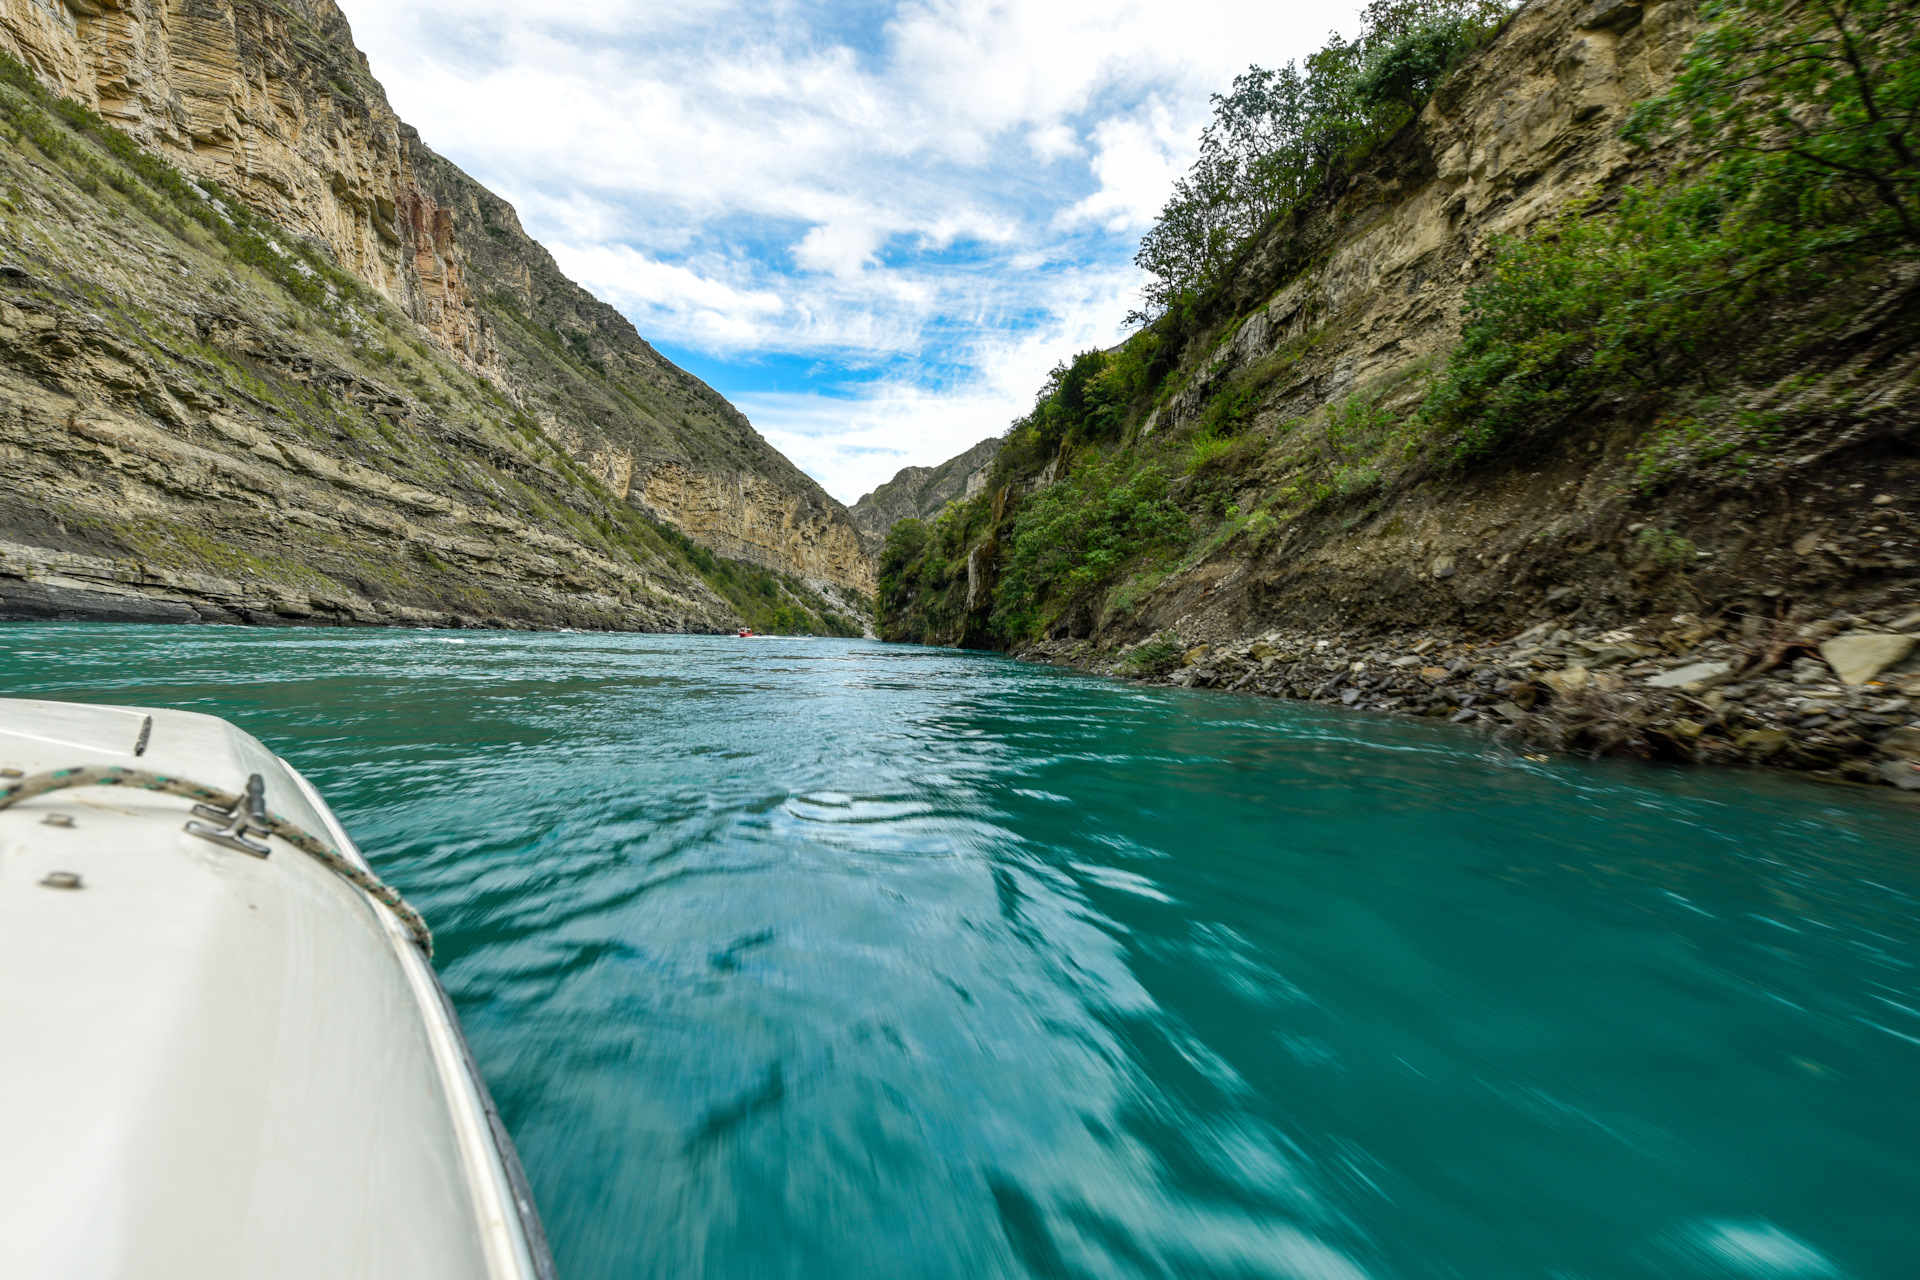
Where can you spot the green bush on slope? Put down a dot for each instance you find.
(1075, 535)
(1811, 112)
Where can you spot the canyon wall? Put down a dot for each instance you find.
(654, 433)
(1274, 488)
(275, 103)
(271, 100)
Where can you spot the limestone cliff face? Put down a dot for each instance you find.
(271, 100)
(1526, 131)
(748, 517)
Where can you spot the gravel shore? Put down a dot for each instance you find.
(1835, 697)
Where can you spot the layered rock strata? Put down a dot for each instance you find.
(274, 103)
(270, 100)
(179, 427)
(654, 434)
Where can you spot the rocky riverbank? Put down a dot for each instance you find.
(1836, 697)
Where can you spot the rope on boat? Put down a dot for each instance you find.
(326, 855)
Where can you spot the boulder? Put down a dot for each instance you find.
(1902, 743)
(1761, 743)
(1903, 774)
(1601, 654)
(1858, 658)
(1694, 677)
(1565, 682)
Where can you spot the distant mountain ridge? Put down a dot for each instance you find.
(919, 493)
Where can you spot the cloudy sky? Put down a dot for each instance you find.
(871, 224)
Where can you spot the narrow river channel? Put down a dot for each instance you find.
(820, 958)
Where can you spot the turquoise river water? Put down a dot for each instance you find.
(821, 958)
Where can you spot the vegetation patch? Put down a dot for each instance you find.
(770, 601)
(1074, 536)
(1154, 656)
(1812, 116)
(1280, 137)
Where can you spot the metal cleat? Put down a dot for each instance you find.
(248, 816)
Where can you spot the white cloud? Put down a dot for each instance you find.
(853, 443)
(1136, 158)
(925, 202)
(843, 250)
(723, 316)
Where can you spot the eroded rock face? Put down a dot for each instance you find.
(162, 464)
(920, 493)
(750, 518)
(275, 103)
(1524, 132)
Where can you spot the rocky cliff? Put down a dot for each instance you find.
(234, 266)
(1274, 495)
(658, 437)
(920, 493)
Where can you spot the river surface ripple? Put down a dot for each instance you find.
(809, 958)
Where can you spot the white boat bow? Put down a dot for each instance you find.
(216, 1064)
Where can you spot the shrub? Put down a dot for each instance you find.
(1076, 535)
(1634, 304)
(1082, 402)
(1828, 92)
(1663, 548)
(1406, 71)
(1811, 114)
(1206, 450)
(1156, 655)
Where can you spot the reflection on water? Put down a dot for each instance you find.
(826, 958)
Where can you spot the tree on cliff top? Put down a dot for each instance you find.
(1278, 136)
